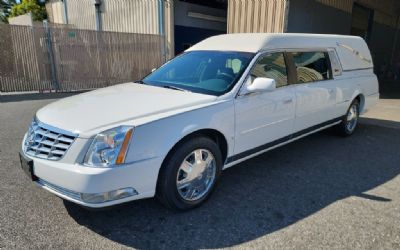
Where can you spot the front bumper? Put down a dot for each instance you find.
(69, 181)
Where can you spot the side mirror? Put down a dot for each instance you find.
(262, 84)
(154, 69)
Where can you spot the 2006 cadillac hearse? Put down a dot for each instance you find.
(225, 100)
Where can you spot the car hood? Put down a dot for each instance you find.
(117, 105)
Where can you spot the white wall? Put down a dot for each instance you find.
(21, 20)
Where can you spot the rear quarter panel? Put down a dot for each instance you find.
(353, 83)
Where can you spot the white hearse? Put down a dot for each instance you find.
(225, 100)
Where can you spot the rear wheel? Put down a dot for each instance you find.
(189, 174)
(350, 120)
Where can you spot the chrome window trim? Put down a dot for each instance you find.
(357, 69)
(262, 52)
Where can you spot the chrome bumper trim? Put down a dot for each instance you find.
(61, 190)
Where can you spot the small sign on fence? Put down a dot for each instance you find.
(71, 34)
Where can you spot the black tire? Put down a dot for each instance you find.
(343, 128)
(167, 190)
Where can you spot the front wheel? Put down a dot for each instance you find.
(350, 120)
(189, 174)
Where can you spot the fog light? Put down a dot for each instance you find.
(108, 196)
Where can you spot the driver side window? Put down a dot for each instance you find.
(273, 66)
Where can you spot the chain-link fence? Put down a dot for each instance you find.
(61, 58)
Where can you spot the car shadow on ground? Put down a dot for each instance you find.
(261, 195)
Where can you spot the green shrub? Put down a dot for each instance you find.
(38, 11)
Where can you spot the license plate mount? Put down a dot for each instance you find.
(27, 166)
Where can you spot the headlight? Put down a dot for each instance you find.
(30, 135)
(109, 147)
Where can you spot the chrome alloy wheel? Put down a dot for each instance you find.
(196, 175)
(352, 117)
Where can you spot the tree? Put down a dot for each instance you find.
(37, 10)
(5, 9)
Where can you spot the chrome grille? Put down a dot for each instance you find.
(46, 142)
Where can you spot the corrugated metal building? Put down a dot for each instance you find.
(376, 21)
(185, 22)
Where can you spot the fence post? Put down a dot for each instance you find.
(161, 23)
(65, 11)
(51, 56)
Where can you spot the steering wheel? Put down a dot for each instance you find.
(226, 76)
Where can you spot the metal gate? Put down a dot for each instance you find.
(60, 58)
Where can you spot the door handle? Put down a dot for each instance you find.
(287, 100)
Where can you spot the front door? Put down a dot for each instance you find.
(264, 117)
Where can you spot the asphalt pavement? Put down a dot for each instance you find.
(321, 192)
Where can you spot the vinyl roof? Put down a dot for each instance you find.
(353, 52)
(254, 42)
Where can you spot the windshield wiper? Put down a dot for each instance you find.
(140, 82)
(175, 88)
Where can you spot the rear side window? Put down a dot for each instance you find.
(312, 66)
(271, 66)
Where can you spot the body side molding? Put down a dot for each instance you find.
(282, 140)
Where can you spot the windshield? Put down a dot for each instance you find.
(206, 72)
